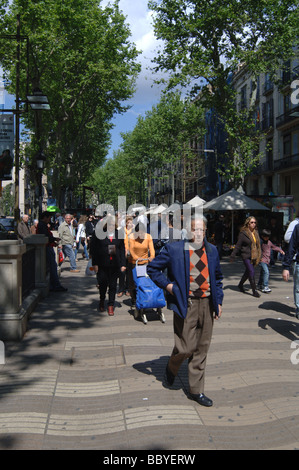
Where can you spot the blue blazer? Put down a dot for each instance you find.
(176, 259)
(293, 249)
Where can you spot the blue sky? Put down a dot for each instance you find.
(146, 96)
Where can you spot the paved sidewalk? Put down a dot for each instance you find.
(82, 380)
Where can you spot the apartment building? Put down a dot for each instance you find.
(276, 112)
(275, 180)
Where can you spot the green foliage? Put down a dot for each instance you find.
(243, 155)
(159, 139)
(7, 201)
(204, 41)
(81, 57)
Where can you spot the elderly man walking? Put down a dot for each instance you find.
(23, 227)
(65, 231)
(195, 294)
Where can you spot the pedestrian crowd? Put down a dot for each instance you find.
(184, 263)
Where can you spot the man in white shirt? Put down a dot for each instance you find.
(289, 231)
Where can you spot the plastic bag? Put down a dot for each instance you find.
(89, 271)
(60, 256)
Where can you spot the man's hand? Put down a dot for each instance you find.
(95, 268)
(169, 288)
(219, 312)
(286, 274)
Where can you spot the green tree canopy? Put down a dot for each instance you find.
(207, 39)
(81, 56)
(203, 42)
(158, 140)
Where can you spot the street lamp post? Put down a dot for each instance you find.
(17, 136)
(40, 161)
(37, 101)
(17, 112)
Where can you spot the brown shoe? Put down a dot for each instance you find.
(110, 310)
(102, 305)
(74, 270)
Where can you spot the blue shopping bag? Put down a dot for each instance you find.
(148, 294)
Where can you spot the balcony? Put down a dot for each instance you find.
(287, 117)
(286, 162)
(261, 168)
(289, 75)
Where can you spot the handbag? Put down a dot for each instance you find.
(89, 271)
(60, 256)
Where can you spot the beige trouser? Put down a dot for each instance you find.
(192, 341)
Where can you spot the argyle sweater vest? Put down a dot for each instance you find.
(199, 272)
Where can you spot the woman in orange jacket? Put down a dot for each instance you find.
(139, 246)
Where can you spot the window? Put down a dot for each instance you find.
(268, 83)
(243, 103)
(287, 185)
(269, 155)
(268, 114)
(286, 103)
(287, 147)
(269, 184)
(286, 72)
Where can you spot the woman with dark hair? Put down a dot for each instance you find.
(81, 237)
(248, 245)
(108, 258)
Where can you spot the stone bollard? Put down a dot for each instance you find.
(14, 310)
(11, 252)
(39, 243)
(11, 325)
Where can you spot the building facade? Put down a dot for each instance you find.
(276, 111)
(274, 181)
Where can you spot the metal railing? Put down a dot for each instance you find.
(287, 117)
(286, 162)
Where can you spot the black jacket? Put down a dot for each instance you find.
(99, 250)
(292, 250)
(42, 229)
(89, 228)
